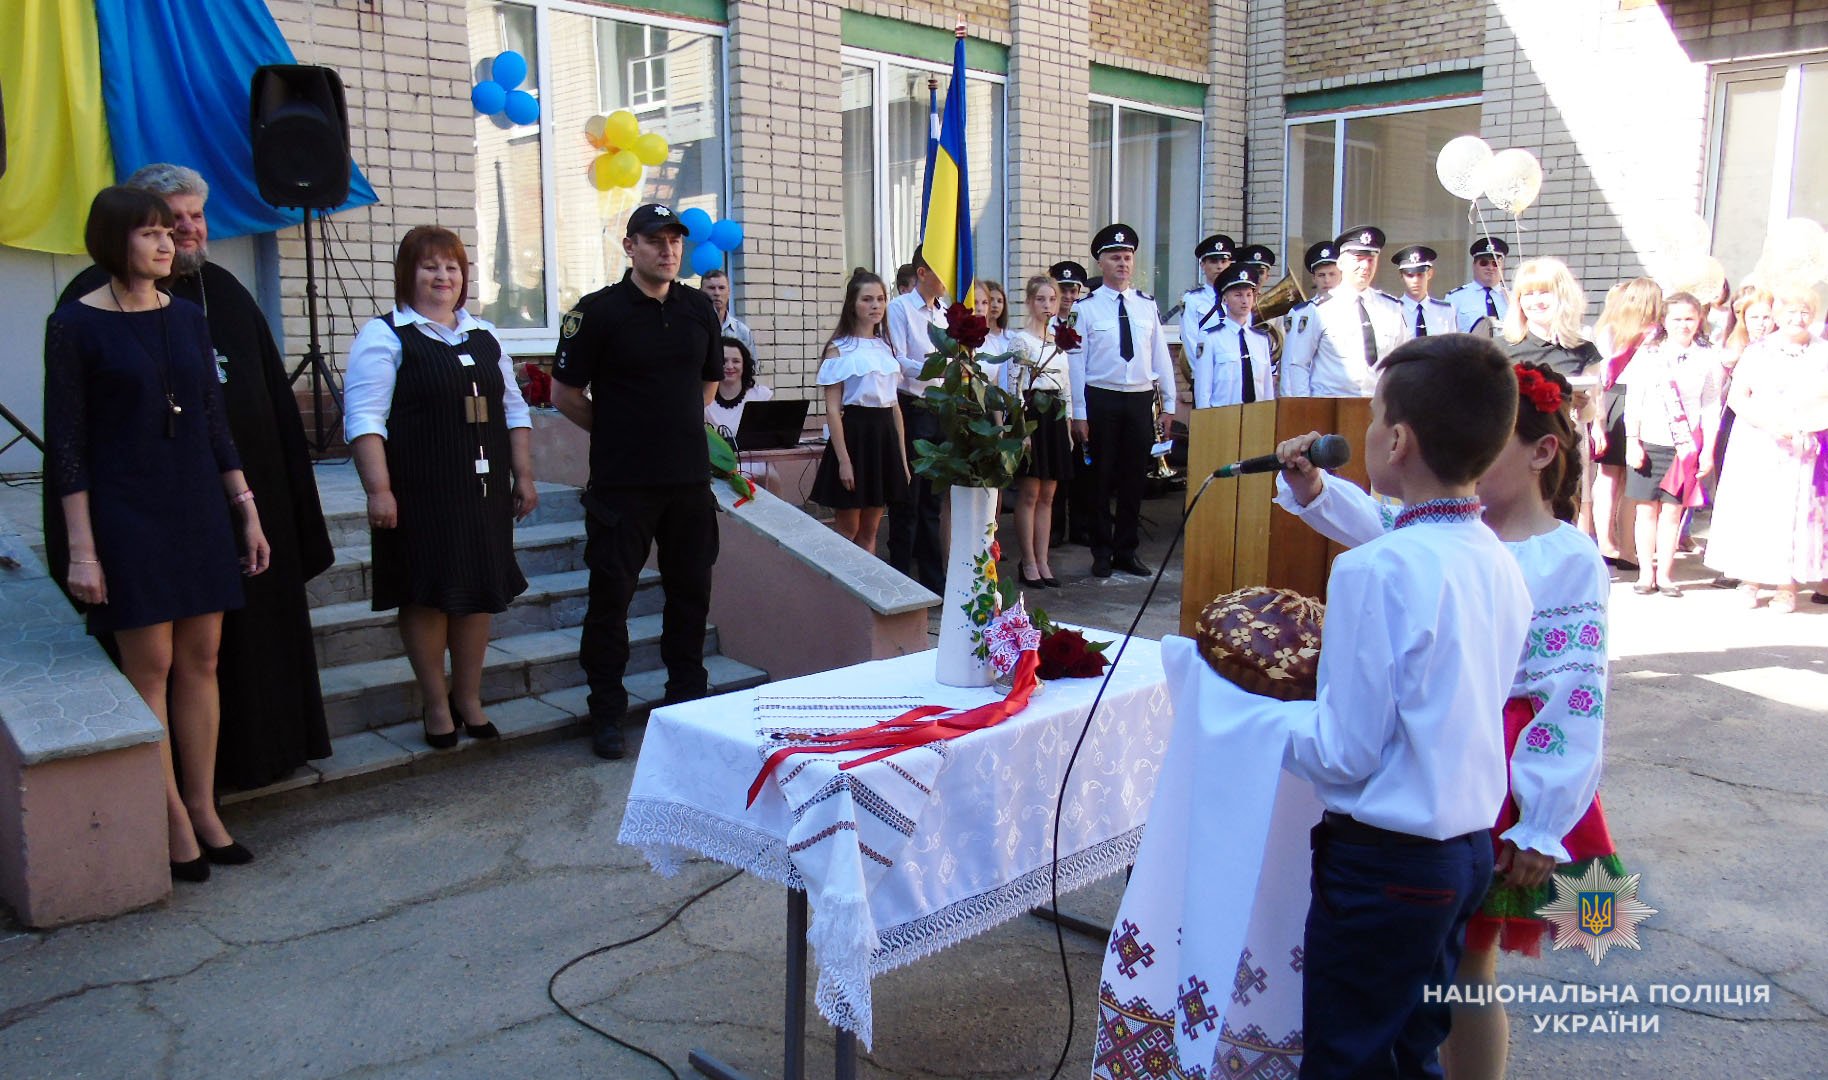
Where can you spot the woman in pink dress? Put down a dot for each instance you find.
(1771, 516)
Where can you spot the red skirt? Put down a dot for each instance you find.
(1508, 917)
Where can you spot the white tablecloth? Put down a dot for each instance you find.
(980, 846)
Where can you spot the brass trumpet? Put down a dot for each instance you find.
(1273, 303)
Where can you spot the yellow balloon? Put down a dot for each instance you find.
(621, 129)
(593, 131)
(651, 148)
(599, 172)
(624, 169)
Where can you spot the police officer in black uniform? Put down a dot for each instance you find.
(648, 349)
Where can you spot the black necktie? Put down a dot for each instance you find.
(1250, 378)
(1126, 347)
(1364, 325)
(1491, 306)
(1421, 328)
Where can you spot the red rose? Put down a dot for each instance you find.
(1542, 393)
(966, 327)
(1066, 338)
(1064, 654)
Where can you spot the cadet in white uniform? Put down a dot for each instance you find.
(1422, 313)
(1483, 297)
(1338, 341)
(1234, 365)
(1214, 255)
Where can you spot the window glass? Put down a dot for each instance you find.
(508, 281)
(1742, 184)
(1390, 183)
(672, 81)
(1100, 142)
(858, 94)
(1158, 193)
(1809, 177)
(1310, 194)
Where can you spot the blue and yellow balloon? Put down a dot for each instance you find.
(626, 148)
(497, 95)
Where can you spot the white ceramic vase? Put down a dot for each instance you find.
(970, 589)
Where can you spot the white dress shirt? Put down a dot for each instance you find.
(866, 367)
(1099, 362)
(738, 329)
(1054, 373)
(374, 364)
(1218, 366)
(1425, 628)
(1648, 406)
(1196, 304)
(1469, 303)
(1563, 667)
(1437, 315)
(909, 317)
(1325, 356)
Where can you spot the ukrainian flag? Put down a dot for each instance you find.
(946, 242)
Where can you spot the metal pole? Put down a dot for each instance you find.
(793, 1064)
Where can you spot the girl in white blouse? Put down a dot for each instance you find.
(1039, 381)
(1672, 412)
(864, 467)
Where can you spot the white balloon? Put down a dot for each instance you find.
(1460, 165)
(1681, 235)
(1796, 250)
(1513, 180)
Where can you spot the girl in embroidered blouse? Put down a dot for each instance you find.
(1672, 411)
(864, 467)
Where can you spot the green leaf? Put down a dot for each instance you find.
(940, 339)
(934, 365)
(986, 427)
(1097, 646)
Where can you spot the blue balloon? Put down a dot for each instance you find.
(488, 97)
(697, 223)
(705, 258)
(727, 235)
(522, 107)
(509, 69)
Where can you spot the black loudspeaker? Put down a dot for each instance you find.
(300, 127)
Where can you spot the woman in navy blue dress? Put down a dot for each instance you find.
(139, 456)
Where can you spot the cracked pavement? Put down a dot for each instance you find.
(408, 928)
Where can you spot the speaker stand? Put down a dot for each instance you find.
(322, 378)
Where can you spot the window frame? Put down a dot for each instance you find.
(876, 61)
(532, 340)
(1338, 118)
(1118, 106)
(1789, 113)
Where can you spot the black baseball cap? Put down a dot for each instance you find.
(650, 218)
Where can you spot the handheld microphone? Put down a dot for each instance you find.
(1328, 452)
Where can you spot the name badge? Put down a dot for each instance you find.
(466, 359)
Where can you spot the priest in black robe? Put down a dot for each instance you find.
(272, 704)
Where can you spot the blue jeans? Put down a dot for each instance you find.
(1385, 921)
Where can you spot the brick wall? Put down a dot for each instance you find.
(785, 152)
(1227, 118)
(1162, 37)
(1555, 73)
(405, 71)
(986, 19)
(1696, 20)
(1050, 189)
(1331, 38)
(1265, 32)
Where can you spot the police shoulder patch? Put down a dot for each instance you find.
(568, 327)
(1301, 327)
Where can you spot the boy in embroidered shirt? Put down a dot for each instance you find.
(1424, 628)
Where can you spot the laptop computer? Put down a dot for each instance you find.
(771, 425)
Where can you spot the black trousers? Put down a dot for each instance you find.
(1386, 921)
(916, 547)
(621, 526)
(1123, 429)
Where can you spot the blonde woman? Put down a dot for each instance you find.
(1543, 325)
(1672, 413)
(1632, 319)
(1040, 384)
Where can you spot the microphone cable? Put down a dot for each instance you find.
(1053, 877)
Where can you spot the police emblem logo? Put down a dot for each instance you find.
(1118, 236)
(661, 211)
(1595, 911)
(569, 326)
(1364, 238)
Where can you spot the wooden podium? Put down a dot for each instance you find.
(1238, 537)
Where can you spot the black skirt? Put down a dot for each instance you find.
(1050, 445)
(875, 453)
(1644, 484)
(1614, 404)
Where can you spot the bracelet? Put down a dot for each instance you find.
(246, 496)
(85, 562)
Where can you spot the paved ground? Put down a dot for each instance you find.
(408, 929)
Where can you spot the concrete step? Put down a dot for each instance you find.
(353, 632)
(400, 748)
(346, 510)
(547, 548)
(379, 693)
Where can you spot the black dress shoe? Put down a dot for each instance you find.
(484, 730)
(1101, 566)
(195, 870)
(1818, 597)
(1052, 583)
(229, 854)
(440, 741)
(607, 740)
(1130, 564)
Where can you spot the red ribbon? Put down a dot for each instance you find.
(916, 727)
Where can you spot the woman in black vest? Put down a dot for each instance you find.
(443, 442)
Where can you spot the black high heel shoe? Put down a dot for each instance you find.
(1030, 582)
(229, 854)
(484, 730)
(195, 870)
(443, 741)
